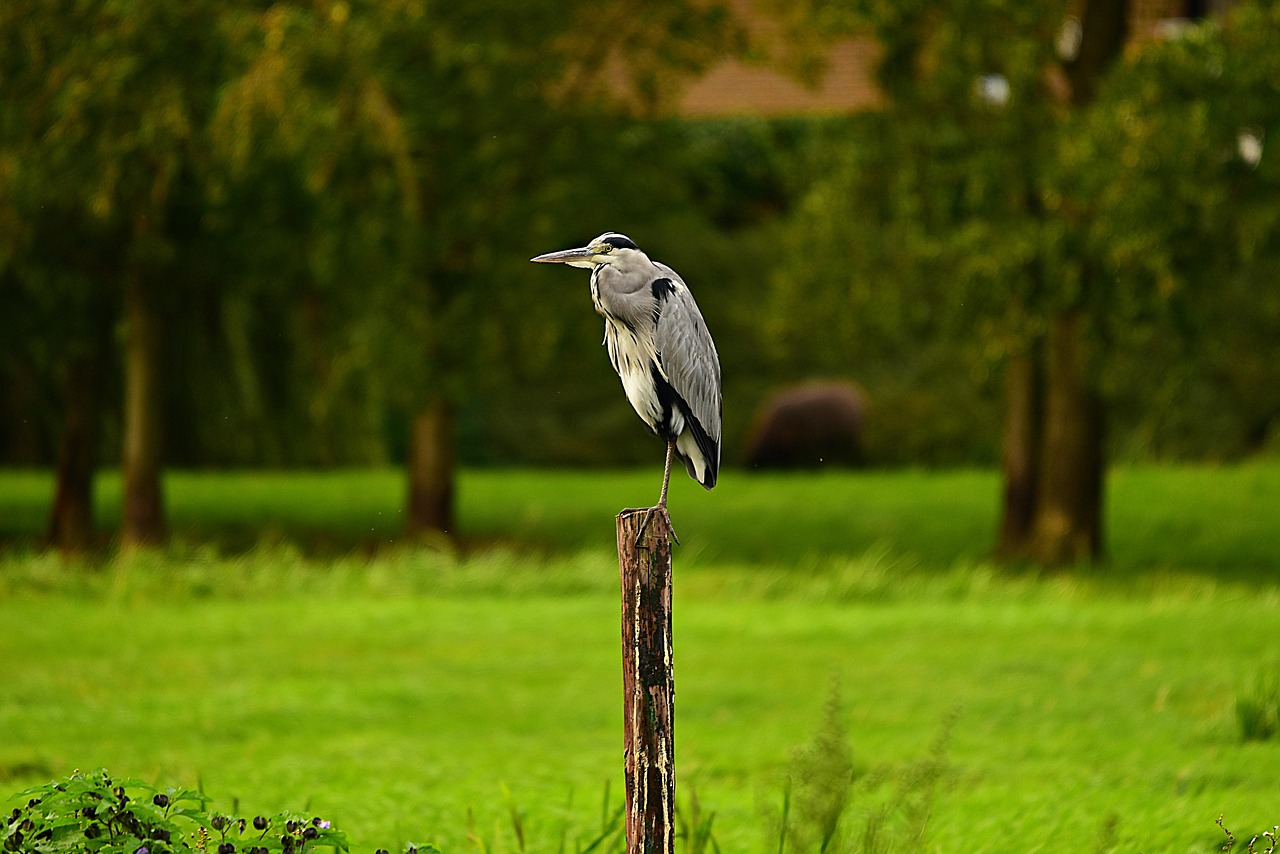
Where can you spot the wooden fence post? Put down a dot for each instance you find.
(647, 683)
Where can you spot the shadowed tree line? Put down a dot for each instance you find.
(223, 205)
(1056, 205)
(296, 234)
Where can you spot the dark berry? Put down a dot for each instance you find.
(226, 848)
(310, 833)
(260, 822)
(161, 800)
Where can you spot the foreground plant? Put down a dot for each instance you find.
(94, 813)
(833, 805)
(1260, 843)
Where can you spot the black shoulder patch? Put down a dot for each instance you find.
(620, 241)
(662, 288)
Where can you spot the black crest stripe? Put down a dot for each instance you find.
(620, 241)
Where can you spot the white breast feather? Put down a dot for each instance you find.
(631, 358)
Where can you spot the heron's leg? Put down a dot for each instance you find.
(666, 473)
(661, 506)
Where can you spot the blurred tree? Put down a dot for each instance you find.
(413, 148)
(1070, 458)
(314, 207)
(512, 113)
(1148, 192)
(314, 198)
(1187, 213)
(103, 110)
(1008, 188)
(934, 211)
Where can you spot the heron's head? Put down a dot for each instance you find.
(616, 250)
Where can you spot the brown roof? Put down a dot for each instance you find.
(738, 88)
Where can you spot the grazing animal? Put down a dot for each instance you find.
(806, 426)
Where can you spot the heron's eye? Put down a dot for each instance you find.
(606, 248)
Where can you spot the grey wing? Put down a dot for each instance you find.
(690, 361)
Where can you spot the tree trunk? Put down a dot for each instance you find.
(1068, 523)
(1023, 424)
(22, 439)
(430, 470)
(648, 683)
(143, 511)
(71, 516)
(1104, 29)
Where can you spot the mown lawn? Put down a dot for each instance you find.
(402, 691)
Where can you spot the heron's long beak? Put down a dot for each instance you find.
(573, 257)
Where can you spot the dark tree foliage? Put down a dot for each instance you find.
(303, 226)
(1030, 203)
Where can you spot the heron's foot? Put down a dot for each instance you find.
(659, 510)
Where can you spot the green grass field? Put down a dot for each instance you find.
(286, 652)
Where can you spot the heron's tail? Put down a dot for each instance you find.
(700, 453)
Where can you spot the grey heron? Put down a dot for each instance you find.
(660, 347)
